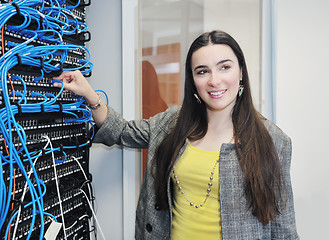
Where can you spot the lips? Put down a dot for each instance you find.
(217, 94)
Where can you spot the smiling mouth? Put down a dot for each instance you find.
(217, 93)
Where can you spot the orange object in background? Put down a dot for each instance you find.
(160, 81)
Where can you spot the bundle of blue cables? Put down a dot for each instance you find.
(44, 49)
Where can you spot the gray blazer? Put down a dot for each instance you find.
(237, 221)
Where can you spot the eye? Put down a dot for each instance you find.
(201, 72)
(225, 67)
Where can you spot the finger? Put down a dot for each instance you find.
(66, 75)
(58, 84)
(60, 76)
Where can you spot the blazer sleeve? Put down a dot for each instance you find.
(284, 226)
(135, 133)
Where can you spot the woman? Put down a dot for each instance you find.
(216, 168)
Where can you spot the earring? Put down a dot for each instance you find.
(197, 98)
(241, 88)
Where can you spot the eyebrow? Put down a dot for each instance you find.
(220, 62)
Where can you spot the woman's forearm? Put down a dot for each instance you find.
(97, 107)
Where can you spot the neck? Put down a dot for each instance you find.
(220, 130)
(219, 121)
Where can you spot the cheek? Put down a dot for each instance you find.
(235, 81)
(236, 84)
(198, 85)
(235, 87)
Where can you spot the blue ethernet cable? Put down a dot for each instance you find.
(107, 99)
(12, 154)
(72, 7)
(31, 187)
(39, 78)
(14, 77)
(33, 217)
(50, 215)
(21, 95)
(64, 153)
(27, 53)
(24, 50)
(29, 13)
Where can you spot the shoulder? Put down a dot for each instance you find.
(276, 133)
(170, 114)
(282, 142)
(173, 110)
(167, 119)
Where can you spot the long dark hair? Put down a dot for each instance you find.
(255, 149)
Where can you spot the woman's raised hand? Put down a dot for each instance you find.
(75, 82)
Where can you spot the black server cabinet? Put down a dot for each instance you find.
(45, 132)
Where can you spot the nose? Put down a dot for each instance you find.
(214, 79)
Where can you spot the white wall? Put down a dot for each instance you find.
(241, 19)
(104, 22)
(302, 107)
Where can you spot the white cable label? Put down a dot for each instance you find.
(53, 230)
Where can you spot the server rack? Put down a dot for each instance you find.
(45, 132)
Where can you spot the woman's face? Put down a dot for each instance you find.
(216, 75)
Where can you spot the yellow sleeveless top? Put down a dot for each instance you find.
(193, 171)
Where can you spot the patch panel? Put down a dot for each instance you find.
(45, 132)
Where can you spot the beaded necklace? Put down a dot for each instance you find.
(180, 188)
